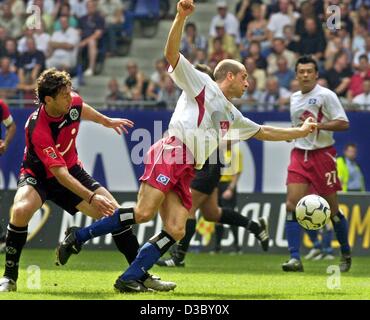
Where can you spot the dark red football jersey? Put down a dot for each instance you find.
(51, 142)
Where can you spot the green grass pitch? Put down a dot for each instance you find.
(217, 277)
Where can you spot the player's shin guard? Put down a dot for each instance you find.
(148, 255)
(341, 230)
(121, 218)
(127, 243)
(293, 234)
(15, 240)
(313, 235)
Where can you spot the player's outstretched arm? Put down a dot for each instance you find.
(10, 132)
(172, 48)
(334, 125)
(281, 134)
(118, 124)
(99, 202)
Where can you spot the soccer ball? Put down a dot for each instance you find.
(312, 212)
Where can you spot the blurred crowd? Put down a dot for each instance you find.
(265, 35)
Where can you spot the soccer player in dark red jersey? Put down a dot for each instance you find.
(52, 171)
(7, 119)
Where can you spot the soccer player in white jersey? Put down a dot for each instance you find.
(203, 114)
(313, 161)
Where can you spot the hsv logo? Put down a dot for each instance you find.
(224, 125)
(163, 179)
(49, 151)
(312, 101)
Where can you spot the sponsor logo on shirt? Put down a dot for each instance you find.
(163, 179)
(306, 114)
(50, 152)
(73, 113)
(224, 125)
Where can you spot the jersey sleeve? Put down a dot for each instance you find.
(188, 78)
(333, 107)
(7, 118)
(76, 99)
(242, 127)
(46, 150)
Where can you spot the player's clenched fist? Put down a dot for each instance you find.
(185, 7)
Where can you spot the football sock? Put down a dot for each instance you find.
(293, 234)
(327, 237)
(127, 243)
(341, 230)
(184, 243)
(313, 235)
(122, 217)
(219, 232)
(148, 255)
(231, 217)
(15, 240)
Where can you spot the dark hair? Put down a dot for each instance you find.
(304, 60)
(363, 56)
(206, 69)
(50, 82)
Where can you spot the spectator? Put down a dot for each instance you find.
(294, 86)
(192, 41)
(363, 99)
(228, 41)
(257, 28)
(312, 40)
(244, 14)
(356, 58)
(200, 57)
(349, 172)
(78, 8)
(254, 51)
(278, 50)
(112, 11)
(135, 84)
(307, 10)
(257, 73)
(156, 79)
(8, 79)
(168, 94)
(64, 9)
(359, 39)
(9, 21)
(339, 76)
(3, 37)
(31, 64)
(274, 98)
(230, 21)
(251, 97)
(18, 8)
(12, 53)
(277, 21)
(335, 45)
(218, 53)
(115, 96)
(283, 73)
(290, 39)
(356, 83)
(92, 28)
(63, 47)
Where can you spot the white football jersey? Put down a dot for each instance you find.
(203, 116)
(323, 105)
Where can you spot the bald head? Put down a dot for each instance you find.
(226, 66)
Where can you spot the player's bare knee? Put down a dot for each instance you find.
(143, 215)
(20, 214)
(176, 232)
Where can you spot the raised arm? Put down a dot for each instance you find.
(281, 134)
(118, 124)
(172, 48)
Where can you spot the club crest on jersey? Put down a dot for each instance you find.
(31, 180)
(232, 116)
(163, 179)
(50, 152)
(73, 113)
(312, 101)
